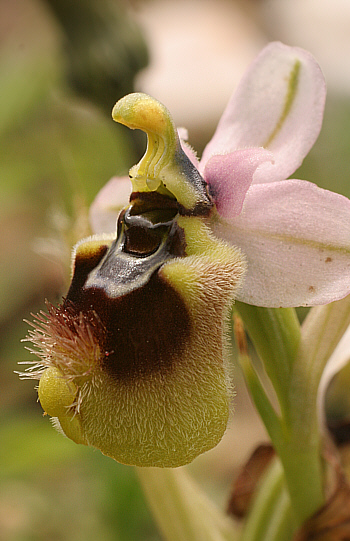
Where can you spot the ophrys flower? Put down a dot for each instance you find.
(133, 362)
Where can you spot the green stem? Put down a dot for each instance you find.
(321, 332)
(271, 516)
(304, 474)
(262, 403)
(282, 522)
(275, 333)
(301, 454)
(183, 512)
(276, 336)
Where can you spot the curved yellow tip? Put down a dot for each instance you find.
(140, 111)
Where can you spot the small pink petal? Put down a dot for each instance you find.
(108, 203)
(296, 238)
(229, 176)
(186, 147)
(182, 133)
(278, 105)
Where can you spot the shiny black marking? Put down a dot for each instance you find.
(144, 321)
(141, 331)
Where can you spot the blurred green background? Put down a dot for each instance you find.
(63, 65)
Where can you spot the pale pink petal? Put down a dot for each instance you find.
(230, 176)
(108, 203)
(296, 238)
(278, 105)
(182, 133)
(339, 358)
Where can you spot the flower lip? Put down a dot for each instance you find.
(129, 297)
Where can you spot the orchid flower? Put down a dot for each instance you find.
(134, 360)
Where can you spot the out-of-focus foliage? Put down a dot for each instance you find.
(92, 33)
(51, 489)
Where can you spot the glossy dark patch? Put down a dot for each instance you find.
(142, 329)
(144, 321)
(141, 241)
(144, 232)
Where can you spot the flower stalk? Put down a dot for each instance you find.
(271, 517)
(297, 443)
(294, 360)
(321, 332)
(183, 512)
(276, 337)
